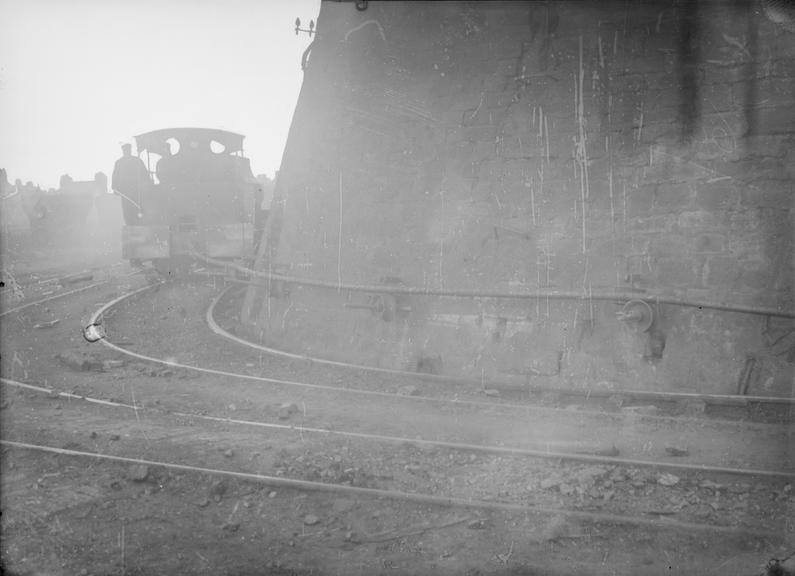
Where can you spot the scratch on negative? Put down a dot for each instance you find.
(362, 25)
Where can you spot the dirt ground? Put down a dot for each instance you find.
(66, 514)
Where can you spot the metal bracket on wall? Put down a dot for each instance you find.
(310, 30)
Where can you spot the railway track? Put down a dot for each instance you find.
(647, 403)
(547, 474)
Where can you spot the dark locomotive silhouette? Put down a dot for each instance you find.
(189, 192)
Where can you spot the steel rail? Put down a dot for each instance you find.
(547, 294)
(502, 450)
(724, 399)
(450, 502)
(63, 294)
(51, 298)
(336, 389)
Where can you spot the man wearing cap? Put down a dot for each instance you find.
(130, 180)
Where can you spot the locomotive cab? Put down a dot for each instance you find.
(200, 197)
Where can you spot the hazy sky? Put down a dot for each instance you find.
(80, 77)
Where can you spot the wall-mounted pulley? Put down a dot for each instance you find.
(636, 314)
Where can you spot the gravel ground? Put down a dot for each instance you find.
(65, 514)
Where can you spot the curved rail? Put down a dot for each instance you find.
(63, 294)
(662, 523)
(546, 454)
(51, 298)
(642, 394)
(549, 294)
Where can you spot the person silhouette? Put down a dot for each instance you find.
(130, 180)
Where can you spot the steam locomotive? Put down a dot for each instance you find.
(199, 196)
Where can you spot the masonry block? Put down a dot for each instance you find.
(675, 271)
(777, 194)
(709, 244)
(672, 197)
(716, 196)
(698, 220)
(723, 271)
(711, 218)
(640, 201)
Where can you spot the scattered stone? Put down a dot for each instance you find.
(640, 410)
(94, 435)
(556, 528)
(79, 361)
(218, 488)
(566, 489)
(710, 485)
(477, 524)
(115, 485)
(493, 392)
(589, 474)
(231, 526)
(668, 480)
(611, 452)
(114, 437)
(58, 406)
(408, 391)
(311, 520)
(676, 452)
(739, 488)
(229, 453)
(83, 572)
(616, 401)
(694, 407)
(618, 475)
(548, 483)
(342, 505)
(286, 410)
(349, 536)
(203, 503)
(272, 494)
(138, 473)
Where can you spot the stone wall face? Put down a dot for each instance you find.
(526, 147)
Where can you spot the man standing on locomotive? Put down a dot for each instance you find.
(130, 179)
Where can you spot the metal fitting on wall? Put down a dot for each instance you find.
(636, 314)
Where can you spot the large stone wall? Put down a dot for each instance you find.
(529, 146)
